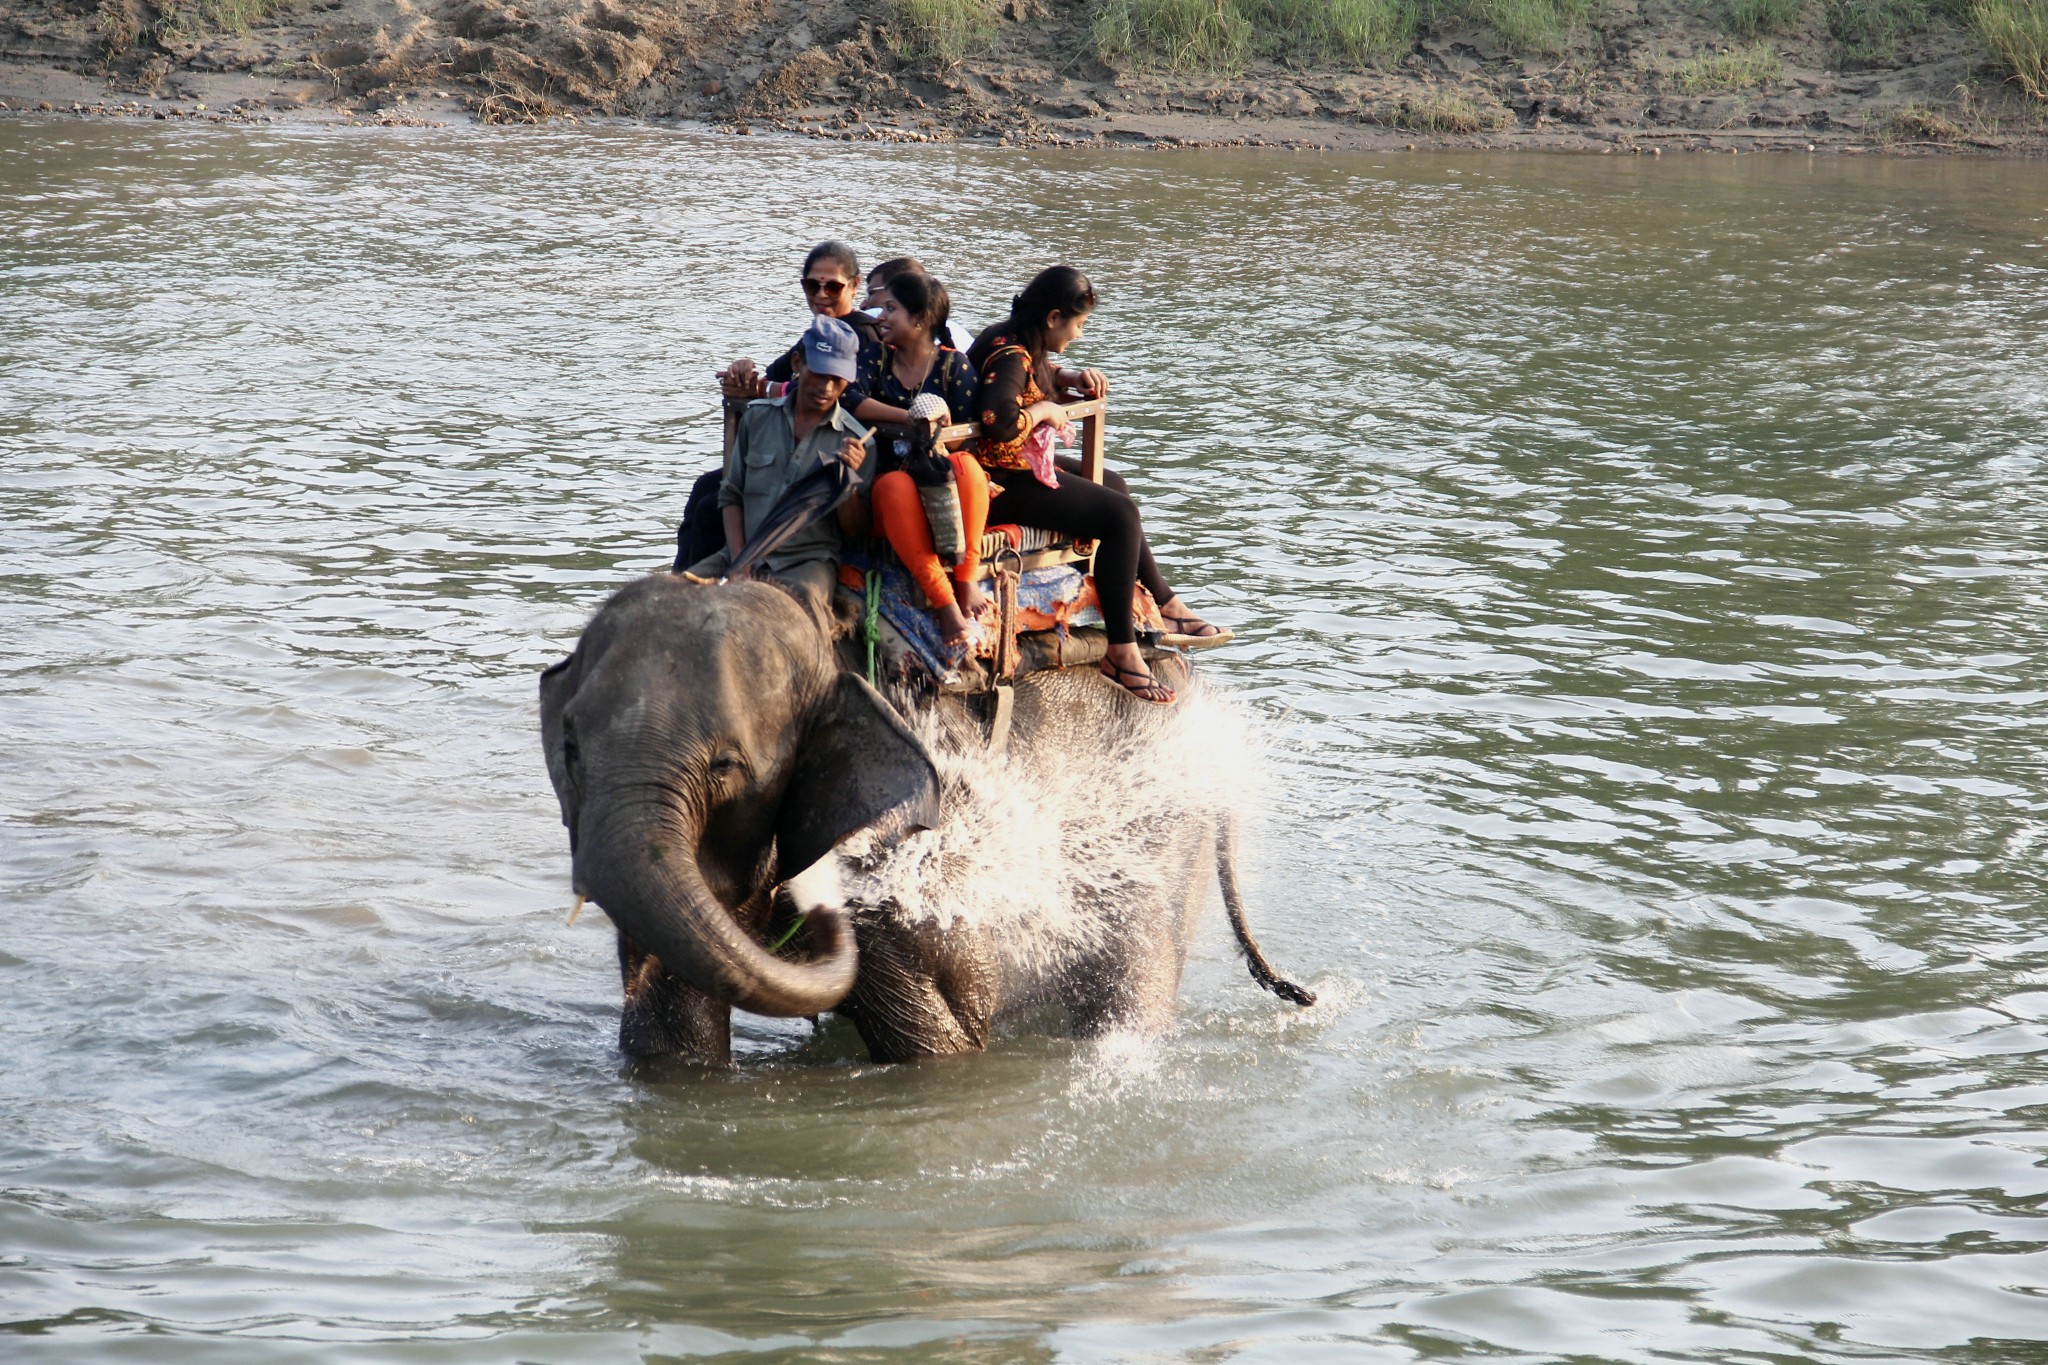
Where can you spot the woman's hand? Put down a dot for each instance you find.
(1093, 383)
(1052, 415)
(741, 381)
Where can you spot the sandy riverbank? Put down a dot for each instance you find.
(833, 70)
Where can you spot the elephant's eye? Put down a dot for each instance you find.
(728, 766)
(572, 757)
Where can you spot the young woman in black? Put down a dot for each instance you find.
(1019, 378)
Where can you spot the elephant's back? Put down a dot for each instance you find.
(1060, 708)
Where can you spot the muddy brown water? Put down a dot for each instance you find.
(1640, 570)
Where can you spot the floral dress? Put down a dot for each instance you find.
(1009, 386)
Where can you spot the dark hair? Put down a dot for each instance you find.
(1055, 289)
(894, 266)
(921, 296)
(839, 253)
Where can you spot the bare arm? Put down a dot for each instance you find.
(1088, 383)
(873, 412)
(853, 513)
(735, 532)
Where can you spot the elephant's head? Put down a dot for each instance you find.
(705, 746)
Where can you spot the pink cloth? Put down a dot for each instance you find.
(1038, 452)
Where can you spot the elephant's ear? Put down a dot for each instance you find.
(859, 768)
(557, 686)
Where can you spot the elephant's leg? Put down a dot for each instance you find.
(665, 1018)
(1128, 988)
(922, 992)
(1133, 983)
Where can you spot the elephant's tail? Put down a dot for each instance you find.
(1233, 901)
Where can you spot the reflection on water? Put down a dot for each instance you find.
(1640, 581)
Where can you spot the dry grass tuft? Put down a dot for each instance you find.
(1917, 123)
(507, 103)
(1446, 111)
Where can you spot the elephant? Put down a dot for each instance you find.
(768, 832)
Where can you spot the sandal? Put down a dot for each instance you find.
(1192, 632)
(1149, 688)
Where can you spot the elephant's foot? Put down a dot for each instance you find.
(663, 1018)
(922, 992)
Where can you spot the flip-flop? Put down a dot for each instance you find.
(1193, 639)
(1149, 688)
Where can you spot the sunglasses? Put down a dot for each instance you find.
(831, 289)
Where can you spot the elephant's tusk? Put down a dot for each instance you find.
(577, 910)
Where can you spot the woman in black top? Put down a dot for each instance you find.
(831, 278)
(1014, 359)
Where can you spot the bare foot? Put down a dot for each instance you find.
(952, 625)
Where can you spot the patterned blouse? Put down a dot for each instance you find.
(1009, 385)
(950, 377)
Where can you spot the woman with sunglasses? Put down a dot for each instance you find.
(831, 279)
(1017, 360)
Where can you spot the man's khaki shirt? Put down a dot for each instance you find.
(766, 459)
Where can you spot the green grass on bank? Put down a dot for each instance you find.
(1754, 18)
(188, 19)
(1715, 73)
(1358, 32)
(1179, 35)
(944, 30)
(1539, 26)
(1222, 35)
(2016, 31)
(1868, 32)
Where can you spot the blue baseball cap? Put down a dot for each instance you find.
(830, 347)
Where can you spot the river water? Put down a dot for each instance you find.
(1642, 576)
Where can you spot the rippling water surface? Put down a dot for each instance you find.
(1642, 572)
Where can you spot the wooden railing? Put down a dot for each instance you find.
(1088, 413)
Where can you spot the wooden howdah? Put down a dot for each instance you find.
(1040, 549)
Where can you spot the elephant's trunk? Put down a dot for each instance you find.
(643, 870)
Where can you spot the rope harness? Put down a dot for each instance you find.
(871, 622)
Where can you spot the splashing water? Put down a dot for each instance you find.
(1047, 846)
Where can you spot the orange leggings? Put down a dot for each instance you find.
(899, 513)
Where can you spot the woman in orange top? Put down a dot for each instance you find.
(1018, 377)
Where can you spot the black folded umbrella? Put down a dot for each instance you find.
(817, 494)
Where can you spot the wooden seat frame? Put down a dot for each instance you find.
(1088, 413)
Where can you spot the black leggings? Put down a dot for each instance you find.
(1100, 512)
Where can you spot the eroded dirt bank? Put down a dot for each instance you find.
(835, 69)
